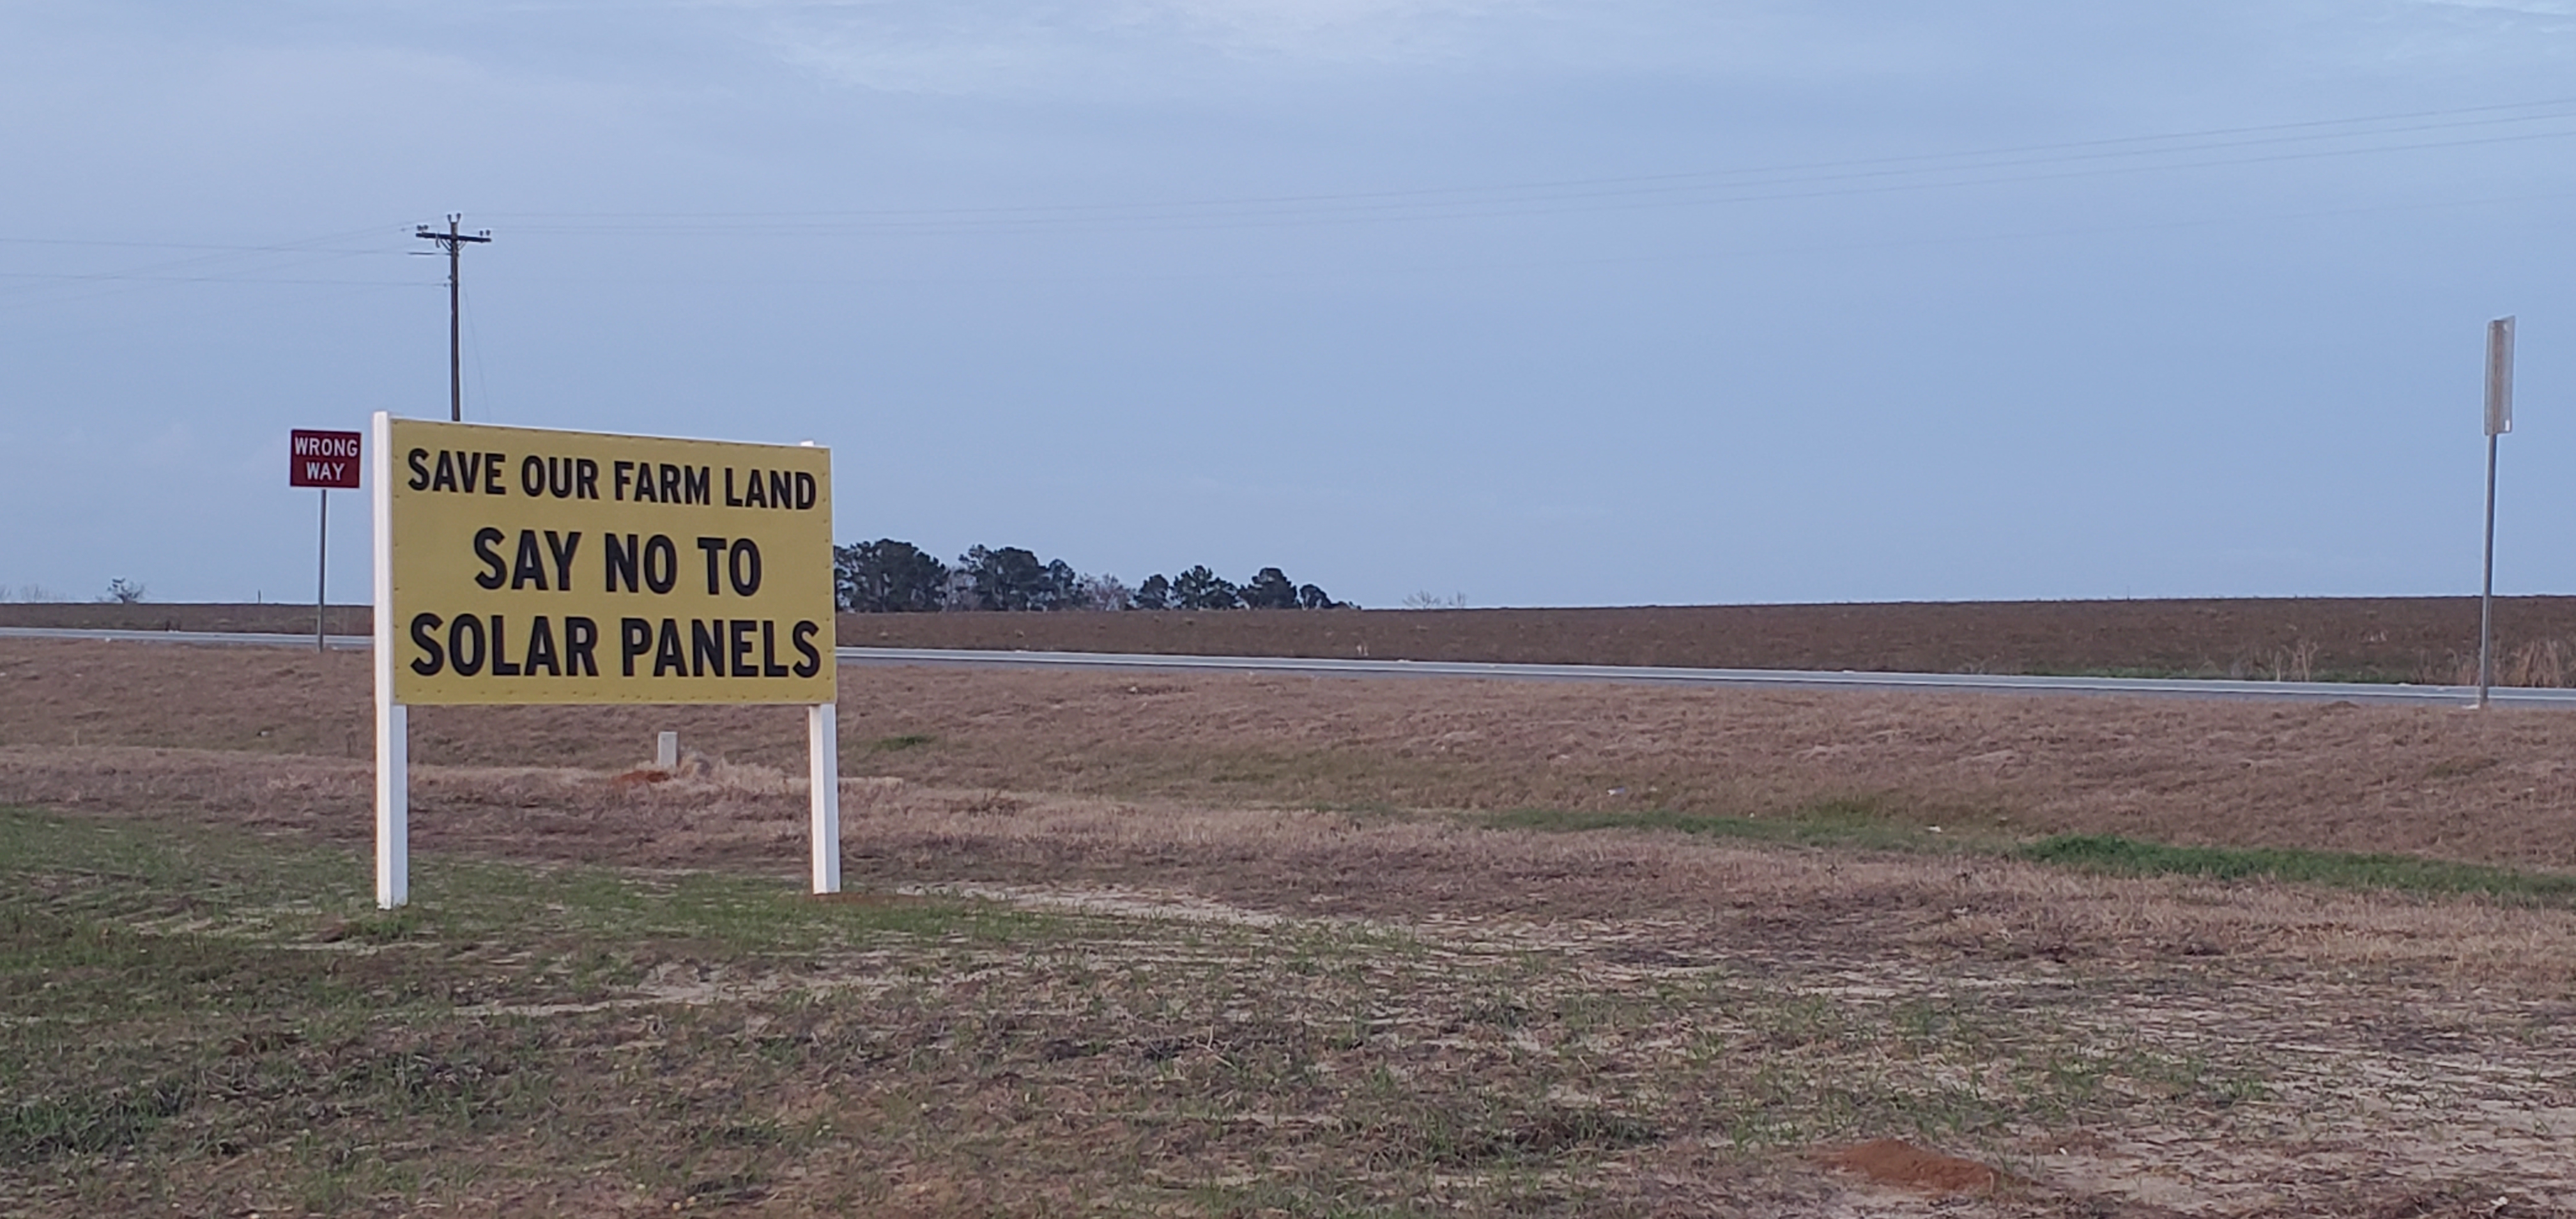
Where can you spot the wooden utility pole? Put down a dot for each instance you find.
(455, 243)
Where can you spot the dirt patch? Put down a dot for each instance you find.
(641, 776)
(1902, 1164)
(691, 766)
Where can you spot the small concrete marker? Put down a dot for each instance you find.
(666, 750)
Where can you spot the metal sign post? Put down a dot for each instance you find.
(321, 567)
(326, 460)
(2499, 422)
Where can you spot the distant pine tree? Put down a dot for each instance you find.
(888, 577)
(1155, 593)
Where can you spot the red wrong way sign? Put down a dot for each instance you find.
(322, 459)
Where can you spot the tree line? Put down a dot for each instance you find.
(890, 577)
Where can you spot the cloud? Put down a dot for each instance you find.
(1378, 31)
(2508, 9)
(2497, 40)
(1163, 46)
(1021, 46)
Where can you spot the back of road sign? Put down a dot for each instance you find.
(536, 566)
(2500, 376)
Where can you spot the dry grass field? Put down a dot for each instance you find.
(1232, 945)
(2406, 639)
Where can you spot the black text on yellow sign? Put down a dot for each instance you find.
(533, 566)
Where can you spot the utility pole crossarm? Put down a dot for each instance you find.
(451, 236)
(454, 242)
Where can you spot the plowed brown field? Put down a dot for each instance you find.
(2418, 639)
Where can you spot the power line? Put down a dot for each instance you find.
(1500, 208)
(2559, 103)
(305, 246)
(35, 288)
(1661, 257)
(1926, 169)
(113, 277)
(1153, 219)
(2204, 148)
(168, 245)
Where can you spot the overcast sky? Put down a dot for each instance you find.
(1539, 302)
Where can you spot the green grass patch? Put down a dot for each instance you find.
(2112, 855)
(897, 744)
(1861, 824)
(238, 888)
(173, 999)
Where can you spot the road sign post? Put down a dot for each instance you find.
(2499, 421)
(327, 461)
(520, 566)
(321, 569)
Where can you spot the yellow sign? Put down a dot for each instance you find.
(532, 566)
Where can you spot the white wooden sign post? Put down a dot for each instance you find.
(520, 566)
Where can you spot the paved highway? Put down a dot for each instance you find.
(1791, 679)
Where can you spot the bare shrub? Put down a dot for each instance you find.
(2539, 663)
(2297, 662)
